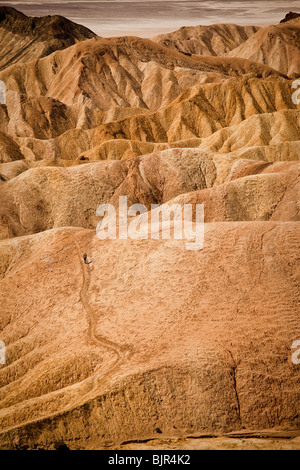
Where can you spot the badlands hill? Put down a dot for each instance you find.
(291, 16)
(277, 46)
(69, 104)
(45, 129)
(150, 339)
(24, 38)
(214, 40)
(103, 356)
(45, 198)
(124, 72)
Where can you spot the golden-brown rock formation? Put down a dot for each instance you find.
(149, 337)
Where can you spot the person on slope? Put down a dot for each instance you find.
(85, 259)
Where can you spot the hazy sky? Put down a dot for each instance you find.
(147, 18)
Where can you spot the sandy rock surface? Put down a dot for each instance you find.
(150, 345)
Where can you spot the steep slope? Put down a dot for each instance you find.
(198, 113)
(45, 128)
(258, 130)
(53, 104)
(255, 191)
(43, 198)
(46, 197)
(126, 72)
(268, 136)
(93, 359)
(277, 46)
(24, 38)
(150, 338)
(291, 16)
(214, 40)
(9, 149)
(201, 111)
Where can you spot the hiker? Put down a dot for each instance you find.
(85, 259)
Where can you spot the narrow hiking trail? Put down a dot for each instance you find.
(122, 352)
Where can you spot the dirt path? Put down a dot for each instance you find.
(122, 352)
